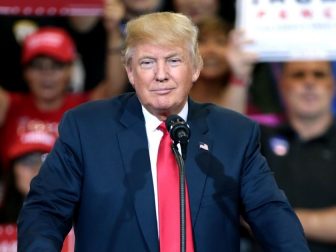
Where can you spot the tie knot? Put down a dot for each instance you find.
(163, 128)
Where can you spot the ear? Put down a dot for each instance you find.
(196, 74)
(129, 72)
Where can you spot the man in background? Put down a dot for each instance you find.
(302, 153)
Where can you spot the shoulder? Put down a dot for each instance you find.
(99, 114)
(283, 131)
(220, 116)
(223, 125)
(102, 107)
(16, 98)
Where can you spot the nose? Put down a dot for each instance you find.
(161, 72)
(310, 81)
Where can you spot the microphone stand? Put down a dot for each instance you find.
(180, 163)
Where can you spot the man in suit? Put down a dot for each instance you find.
(101, 175)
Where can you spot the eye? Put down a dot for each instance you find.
(320, 74)
(147, 63)
(298, 75)
(175, 61)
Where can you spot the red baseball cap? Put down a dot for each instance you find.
(53, 42)
(29, 142)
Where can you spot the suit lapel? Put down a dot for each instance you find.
(198, 150)
(134, 149)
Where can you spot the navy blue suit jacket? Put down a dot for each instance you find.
(98, 177)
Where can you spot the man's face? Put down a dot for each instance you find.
(307, 88)
(162, 77)
(47, 79)
(213, 48)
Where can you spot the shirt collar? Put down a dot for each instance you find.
(327, 136)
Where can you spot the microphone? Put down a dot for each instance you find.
(179, 132)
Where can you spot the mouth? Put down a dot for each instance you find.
(162, 91)
(47, 85)
(214, 62)
(310, 97)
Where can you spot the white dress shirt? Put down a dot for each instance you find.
(154, 136)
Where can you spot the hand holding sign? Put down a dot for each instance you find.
(240, 60)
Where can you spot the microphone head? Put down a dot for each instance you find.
(178, 129)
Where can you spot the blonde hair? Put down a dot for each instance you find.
(162, 28)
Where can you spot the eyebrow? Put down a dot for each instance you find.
(166, 57)
(174, 55)
(146, 57)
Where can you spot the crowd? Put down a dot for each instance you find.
(53, 64)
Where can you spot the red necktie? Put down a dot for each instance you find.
(169, 198)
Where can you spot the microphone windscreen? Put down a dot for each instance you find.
(178, 129)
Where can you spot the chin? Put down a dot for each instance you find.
(311, 114)
(48, 97)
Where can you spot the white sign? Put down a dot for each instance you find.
(285, 30)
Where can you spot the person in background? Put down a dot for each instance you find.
(302, 152)
(25, 156)
(227, 69)
(47, 58)
(12, 32)
(227, 74)
(98, 181)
